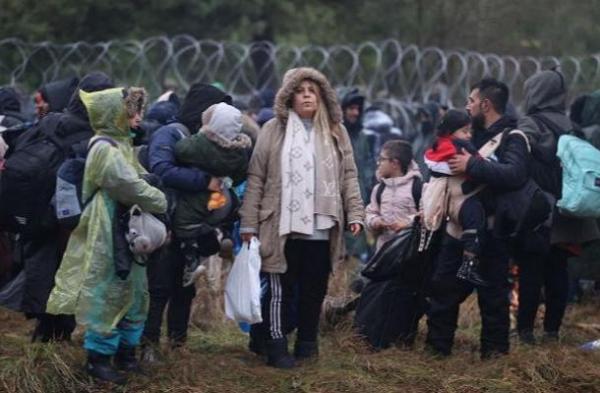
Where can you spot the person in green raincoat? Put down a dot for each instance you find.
(113, 310)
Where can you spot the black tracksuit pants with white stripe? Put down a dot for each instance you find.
(296, 296)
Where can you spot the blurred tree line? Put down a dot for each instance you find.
(519, 27)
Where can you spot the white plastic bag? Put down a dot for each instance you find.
(242, 290)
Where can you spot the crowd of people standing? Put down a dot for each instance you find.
(312, 182)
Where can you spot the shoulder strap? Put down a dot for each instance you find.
(93, 142)
(97, 139)
(490, 146)
(379, 192)
(543, 123)
(523, 135)
(417, 189)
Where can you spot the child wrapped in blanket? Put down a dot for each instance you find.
(221, 150)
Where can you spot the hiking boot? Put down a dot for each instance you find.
(306, 349)
(526, 337)
(278, 355)
(126, 361)
(98, 367)
(469, 271)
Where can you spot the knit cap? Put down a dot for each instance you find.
(224, 120)
(453, 121)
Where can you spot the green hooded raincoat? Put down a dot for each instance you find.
(86, 284)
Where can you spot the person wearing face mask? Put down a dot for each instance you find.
(302, 194)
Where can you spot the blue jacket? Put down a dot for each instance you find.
(162, 162)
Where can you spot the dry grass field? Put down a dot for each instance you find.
(216, 359)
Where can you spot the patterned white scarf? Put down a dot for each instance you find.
(310, 187)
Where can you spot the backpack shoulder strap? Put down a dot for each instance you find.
(523, 135)
(490, 147)
(97, 139)
(417, 190)
(379, 192)
(543, 123)
(91, 144)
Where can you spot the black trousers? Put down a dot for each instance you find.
(42, 256)
(448, 292)
(302, 287)
(165, 274)
(473, 221)
(548, 271)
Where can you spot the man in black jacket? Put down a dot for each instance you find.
(505, 170)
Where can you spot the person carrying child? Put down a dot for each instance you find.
(221, 150)
(446, 194)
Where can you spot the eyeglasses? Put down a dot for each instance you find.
(380, 159)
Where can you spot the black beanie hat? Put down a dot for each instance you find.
(453, 121)
(197, 100)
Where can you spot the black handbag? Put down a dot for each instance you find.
(399, 255)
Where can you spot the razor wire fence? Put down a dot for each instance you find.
(393, 75)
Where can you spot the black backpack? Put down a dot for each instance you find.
(28, 181)
(417, 188)
(545, 166)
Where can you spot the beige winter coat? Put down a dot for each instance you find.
(260, 211)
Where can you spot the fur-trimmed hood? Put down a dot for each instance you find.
(109, 110)
(242, 141)
(291, 80)
(135, 100)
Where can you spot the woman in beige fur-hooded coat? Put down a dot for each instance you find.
(302, 194)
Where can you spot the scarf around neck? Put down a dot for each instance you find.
(310, 186)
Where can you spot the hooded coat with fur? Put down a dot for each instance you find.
(260, 211)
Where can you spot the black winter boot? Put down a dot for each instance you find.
(258, 340)
(278, 355)
(306, 349)
(98, 366)
(126, 361)
(469, 271)
(526, 337)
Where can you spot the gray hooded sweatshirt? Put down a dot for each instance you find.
(546, 94)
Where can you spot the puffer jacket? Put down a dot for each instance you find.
(161, 148)
(260, 210)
